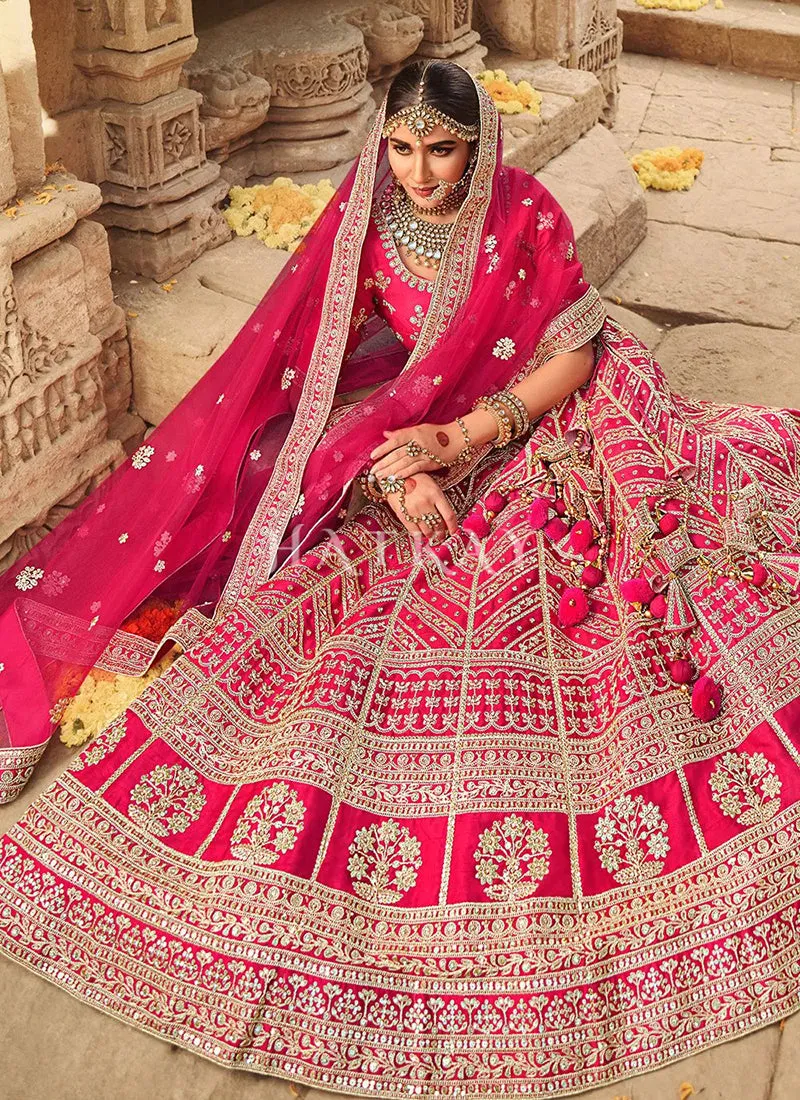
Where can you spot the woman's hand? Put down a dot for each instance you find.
(443, 440)
(423, 495)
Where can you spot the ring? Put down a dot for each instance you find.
(392, 483)
(413, 448)
(433, 519)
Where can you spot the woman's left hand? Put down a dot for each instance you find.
(391, 457)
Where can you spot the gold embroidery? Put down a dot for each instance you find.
(167, 800)
(512, 858)
(103, 744)
(269, 825)
(384, 860)
(632, 839)
(746, 787)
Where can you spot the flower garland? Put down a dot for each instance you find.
(669, 168)
(103, 696)
(280, 213)
(510, 98)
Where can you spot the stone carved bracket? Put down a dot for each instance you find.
(148, 144)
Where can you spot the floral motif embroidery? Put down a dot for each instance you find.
(522, 273)
(545, 221)
(512, 858)
(269, 825)
(527, 202)
(504, 348)
(490, 244)
(171, 456)
(359, 319)
(142, 456)
(123, 538)
(495, 260)
(160, 565)
(54, 583)
(379, 280)
(299, 506)
(255, 455)
(103, 744)
(286, 378)
(568, 250)
(418, 318)
(384, 860)
(221, 398)
(226, 536)
(437, 381)
(28, 578)
(167, 800)
(746, 787)
(632, 839)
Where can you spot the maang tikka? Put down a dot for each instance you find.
(422, 119)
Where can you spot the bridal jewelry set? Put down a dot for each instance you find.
(513, 421)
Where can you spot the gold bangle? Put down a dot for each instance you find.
(521, 414)
(505, 421)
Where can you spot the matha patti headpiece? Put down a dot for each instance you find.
(422, 119)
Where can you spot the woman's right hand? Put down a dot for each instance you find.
(423, 494)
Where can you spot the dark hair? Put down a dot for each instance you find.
(446, 86)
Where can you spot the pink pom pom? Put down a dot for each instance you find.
(560, 507)
(556, 529)
(573, 607)
(582, 536)
(636, 590)
(477, 523)
(658, 606)
(538, 513)
(681, 670)
(592, 553)
(668, 523)
(760, 575)
(591, 576)
(495, 502)
(706, 699)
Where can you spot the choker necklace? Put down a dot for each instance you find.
(426, 241)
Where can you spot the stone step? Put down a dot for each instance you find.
(754, 36)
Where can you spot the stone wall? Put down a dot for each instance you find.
(65, 379)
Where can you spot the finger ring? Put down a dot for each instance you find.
(392, 483)
(431, 518)
(413, 448)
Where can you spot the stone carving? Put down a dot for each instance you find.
(390, 36)
(598, 52)
(147, 144)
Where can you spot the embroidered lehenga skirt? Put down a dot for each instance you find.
(480, 820)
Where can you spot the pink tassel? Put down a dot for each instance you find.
(560, 507)
(593, 553)
(538, 513)
(582, 536)
(495, 502)
(591, 576)
(668, 523)
(706, 699)
(636, 590)
(760, 575)
(681, 670)
(477, 523)
(658, 606)
(555, 529)
(573, 607)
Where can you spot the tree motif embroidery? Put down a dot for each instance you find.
(746, 787)
(384, 860)
(632, 839)
(512, 858)
(269, 825)
(167, 800)
(103, 744)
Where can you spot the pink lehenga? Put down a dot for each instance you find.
(514, 814)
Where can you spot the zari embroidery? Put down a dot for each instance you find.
(632, 839)
(269, 825)
(384, 861)
(512, 858)
(167, 800)
(746, 787)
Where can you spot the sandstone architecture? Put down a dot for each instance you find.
(123, 124)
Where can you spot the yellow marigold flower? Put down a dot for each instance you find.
(669, 168)
(510, 98)
(279, 213)
(675, 5)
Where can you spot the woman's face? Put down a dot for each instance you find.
(419, 168)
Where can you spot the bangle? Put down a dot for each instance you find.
(505, 420)
(467, 452)
(519, 410)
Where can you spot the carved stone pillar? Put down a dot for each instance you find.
(579, 34)
(448, 31)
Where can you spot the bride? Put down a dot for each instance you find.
(478, 772)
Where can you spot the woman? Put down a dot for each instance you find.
(478, 773)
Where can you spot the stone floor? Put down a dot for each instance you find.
(714, 290)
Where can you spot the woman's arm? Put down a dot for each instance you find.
(539, 391)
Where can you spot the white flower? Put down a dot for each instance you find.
(288, 375)
(198, 471)
(140, 458)
(300, 502)
(437, 380)
(123, 537)
(522, 273)
(171, 456)
(162, 542)
(255, 455)
(226, 536)
(221, 398)
(495, 260)
(490, 244)
(545, 221)
(527, 202)
(342, 205)
(504, 348)
(160, 566)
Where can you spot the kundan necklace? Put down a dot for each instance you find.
(425, 240)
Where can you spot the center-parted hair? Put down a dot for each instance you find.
(446, 86)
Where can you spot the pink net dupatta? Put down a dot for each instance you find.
(247, 471)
